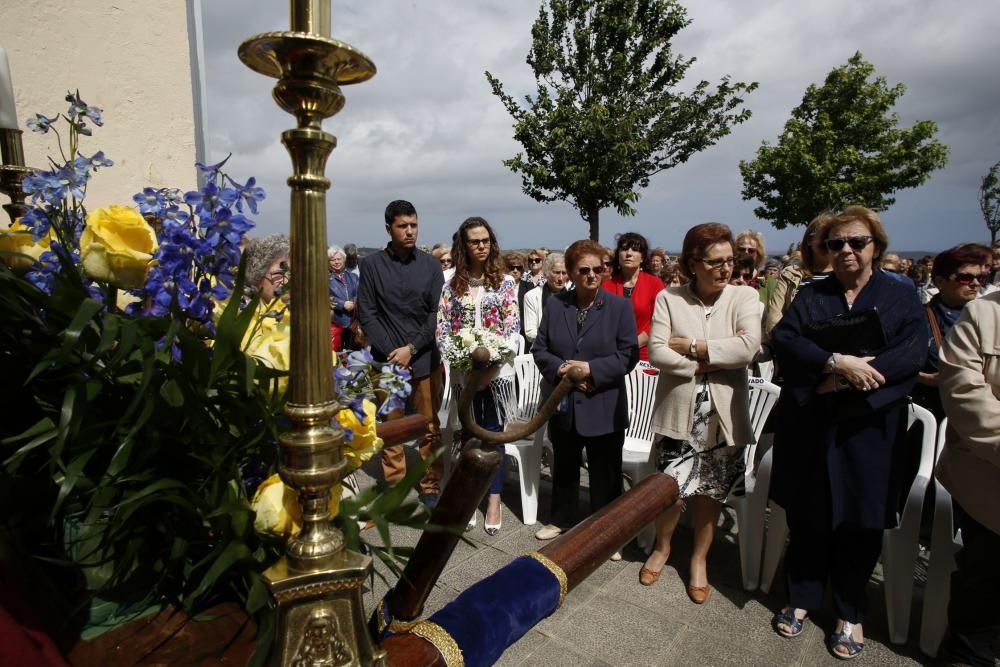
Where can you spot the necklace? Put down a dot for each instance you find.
(476, 282)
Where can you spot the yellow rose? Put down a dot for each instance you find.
(18, 239)
(277, 508)
(365, 442)
(117, 246)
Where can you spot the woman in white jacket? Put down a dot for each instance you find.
(703, 337)
(554, 270)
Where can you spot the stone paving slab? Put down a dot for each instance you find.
(612, 620)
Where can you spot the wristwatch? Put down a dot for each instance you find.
(413, 349)
(831, 364)
(694, 348)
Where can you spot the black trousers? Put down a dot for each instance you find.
(604, 464)
(974, 608)
(845, 557)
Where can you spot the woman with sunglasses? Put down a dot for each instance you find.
(587, 328)
(958, 275)
(751, 244)
(703, 337)
(535, 275)
(480, 296)
(629, 278)
(839, 448)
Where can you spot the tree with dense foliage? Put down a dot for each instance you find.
(989, 200)
(841, 146)
(606, 117)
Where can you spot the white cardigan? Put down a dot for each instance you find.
(732, 333)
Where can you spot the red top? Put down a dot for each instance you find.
(647, 286)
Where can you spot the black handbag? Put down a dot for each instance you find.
(856, 333)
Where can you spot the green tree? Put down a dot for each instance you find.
(989, 201)
(841, 146)
(605, 118)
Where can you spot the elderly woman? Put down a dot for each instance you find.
(704, 335)
(480, 296)
(267, 268)
(554, 269)
(657, 260)
(629, 279)
(839, 449)
(343, 297)
(969, 468)
(442, 253)
(515, 263)
(751, 243)
(594, 330)
(535, 274)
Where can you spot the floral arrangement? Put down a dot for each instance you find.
(150, 393)
(457, 347)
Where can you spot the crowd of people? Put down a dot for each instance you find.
(854, 333)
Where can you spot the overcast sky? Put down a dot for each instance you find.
(426, 128)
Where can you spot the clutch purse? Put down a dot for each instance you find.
(856, 333)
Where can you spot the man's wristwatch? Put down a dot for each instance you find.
(413, 349)
(694, 348)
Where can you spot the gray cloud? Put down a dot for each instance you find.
(427, 128)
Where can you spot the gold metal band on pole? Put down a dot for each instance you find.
(556, 571)
(443, 642)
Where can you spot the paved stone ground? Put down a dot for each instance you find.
(611, 619)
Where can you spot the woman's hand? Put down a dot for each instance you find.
(584, 365)
(348, 306)
(858, 373)
(643, 339)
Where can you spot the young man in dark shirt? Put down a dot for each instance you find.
(397, 305)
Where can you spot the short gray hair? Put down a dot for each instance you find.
(335, 250)
(260, 254)
(551, 260)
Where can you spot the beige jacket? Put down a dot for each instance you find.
(969, 466)
(733, 336)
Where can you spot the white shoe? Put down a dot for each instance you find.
(616, 556)
(472, 523)
(548, 532)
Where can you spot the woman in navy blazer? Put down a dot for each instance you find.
(596, 331)
(839, 450)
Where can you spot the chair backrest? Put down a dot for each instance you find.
(916, 413)
(640, 388)
(939, 444)
(763, 396)
(529, 386)
(518, 342)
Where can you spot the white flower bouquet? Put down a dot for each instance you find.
(459, 345)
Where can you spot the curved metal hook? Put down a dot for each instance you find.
(481, 366)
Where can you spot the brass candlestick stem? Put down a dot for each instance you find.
(12, 171)
(318, 583)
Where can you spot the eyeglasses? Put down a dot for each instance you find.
(856, 243)
(585, 270)
(478, 242)
(747, 276)
(534, 260)
(276, 277)
(446, 260)
(967, 278)
(748, 250)
(717, 264)
(515, 267)
(607, 265)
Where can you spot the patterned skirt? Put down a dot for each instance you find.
(704, 464)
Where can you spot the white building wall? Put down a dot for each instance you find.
(133, 59)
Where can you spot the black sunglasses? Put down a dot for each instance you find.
(534, 260)
(856, 243)
(968, 278)
(516, 267)
(585, 270)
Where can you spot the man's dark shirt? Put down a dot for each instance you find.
(398, 303)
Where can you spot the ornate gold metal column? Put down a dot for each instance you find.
(318, 584)
(12, 171)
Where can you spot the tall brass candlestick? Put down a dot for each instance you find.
(12, 171)
(318, 583)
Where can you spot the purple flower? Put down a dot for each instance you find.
(41, 124)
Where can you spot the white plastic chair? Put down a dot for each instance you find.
(527, 453)
(900, 544)
(751, 501)
(638, 451)
(946, 540)
(895, 562)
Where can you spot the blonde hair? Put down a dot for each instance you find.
(758, 240)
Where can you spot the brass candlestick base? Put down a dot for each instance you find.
(317, 585)
(12, 171)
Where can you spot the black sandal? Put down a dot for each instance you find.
(845, 639)
(788, 618)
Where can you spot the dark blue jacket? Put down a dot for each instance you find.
(341, 292)
(608, 341)
(838, 456)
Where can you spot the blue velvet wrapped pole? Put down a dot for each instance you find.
(494, 613)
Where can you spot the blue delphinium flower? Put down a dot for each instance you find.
(41, 124)
(250, 193)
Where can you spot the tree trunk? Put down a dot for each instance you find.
(593, 215)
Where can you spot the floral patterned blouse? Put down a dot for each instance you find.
(491, 309)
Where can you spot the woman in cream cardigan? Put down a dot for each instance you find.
(703, 337)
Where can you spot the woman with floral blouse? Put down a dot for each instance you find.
(480, 296)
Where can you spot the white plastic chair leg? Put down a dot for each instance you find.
(934, 617)
(774, 546)
(899, 559)
(750, 538)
